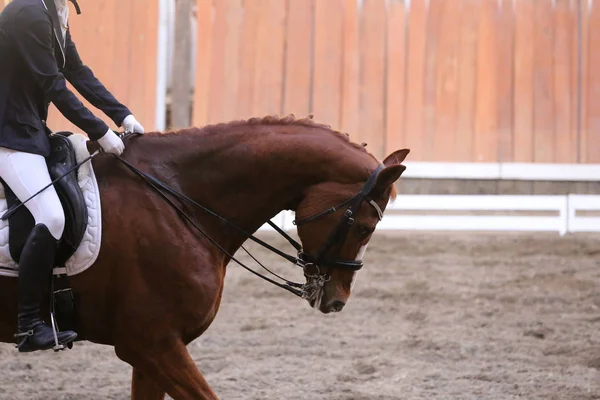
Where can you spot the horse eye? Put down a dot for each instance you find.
(363, 231)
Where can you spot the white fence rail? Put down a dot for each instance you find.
(503, 171)
(477, 213)
(562, 214)
(582, 222)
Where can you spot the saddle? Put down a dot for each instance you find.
(61, 160)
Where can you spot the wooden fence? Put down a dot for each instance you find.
(454, 80)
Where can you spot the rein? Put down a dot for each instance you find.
(298, 289)
(303, 260)
(160, 187)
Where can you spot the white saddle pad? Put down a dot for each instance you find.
(88, 250)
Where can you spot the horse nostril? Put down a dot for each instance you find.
(337, 306)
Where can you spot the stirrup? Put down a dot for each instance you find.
(57, 346)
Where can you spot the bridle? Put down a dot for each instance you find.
(340, 232)
(303, 259)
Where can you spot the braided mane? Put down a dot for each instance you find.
(275, 120)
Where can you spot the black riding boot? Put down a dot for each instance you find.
(35, 271)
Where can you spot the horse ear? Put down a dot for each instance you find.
(396, 157)
(386, 178)
(392, 171)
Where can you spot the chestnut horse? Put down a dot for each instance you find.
(157, 282)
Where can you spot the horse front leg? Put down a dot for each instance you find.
(172, 369)
(144, 388)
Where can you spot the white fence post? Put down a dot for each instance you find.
(564, 216)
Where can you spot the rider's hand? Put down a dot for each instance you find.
(130, 125)
(111, 143)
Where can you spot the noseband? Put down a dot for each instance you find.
(340, 233)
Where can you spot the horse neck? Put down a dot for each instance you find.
(248, 174)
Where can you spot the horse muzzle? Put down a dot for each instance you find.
(332, 306)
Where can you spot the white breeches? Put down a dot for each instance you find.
(26, 174)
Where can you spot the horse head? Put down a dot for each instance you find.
(335, 239)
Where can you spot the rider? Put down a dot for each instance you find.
(38, 57)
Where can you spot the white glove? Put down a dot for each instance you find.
(111, 143)
(130, 124)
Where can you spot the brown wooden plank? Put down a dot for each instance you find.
(141, 89)
(328, 53)
(102, 64)
(232, 53)
(118, 76)
(417, 30)
(298, 58)
(217, 99)
(505, 41)
(565, 142)
(247, 58)
(150, 66)
(180, 86)
(136, 71)
(123, 15)
(574, 78)
(396, 76)
(109, 72)
(204, 53)
(434, 22)
(81, 34)
(269, 75)
(225, 68)
(523, 93)
(543, 88)
(109, 35)
(467, 79)
(486, 114)
(350, 70)
(372, 94)
(586, 68)
(446, 99)
(592, 137)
